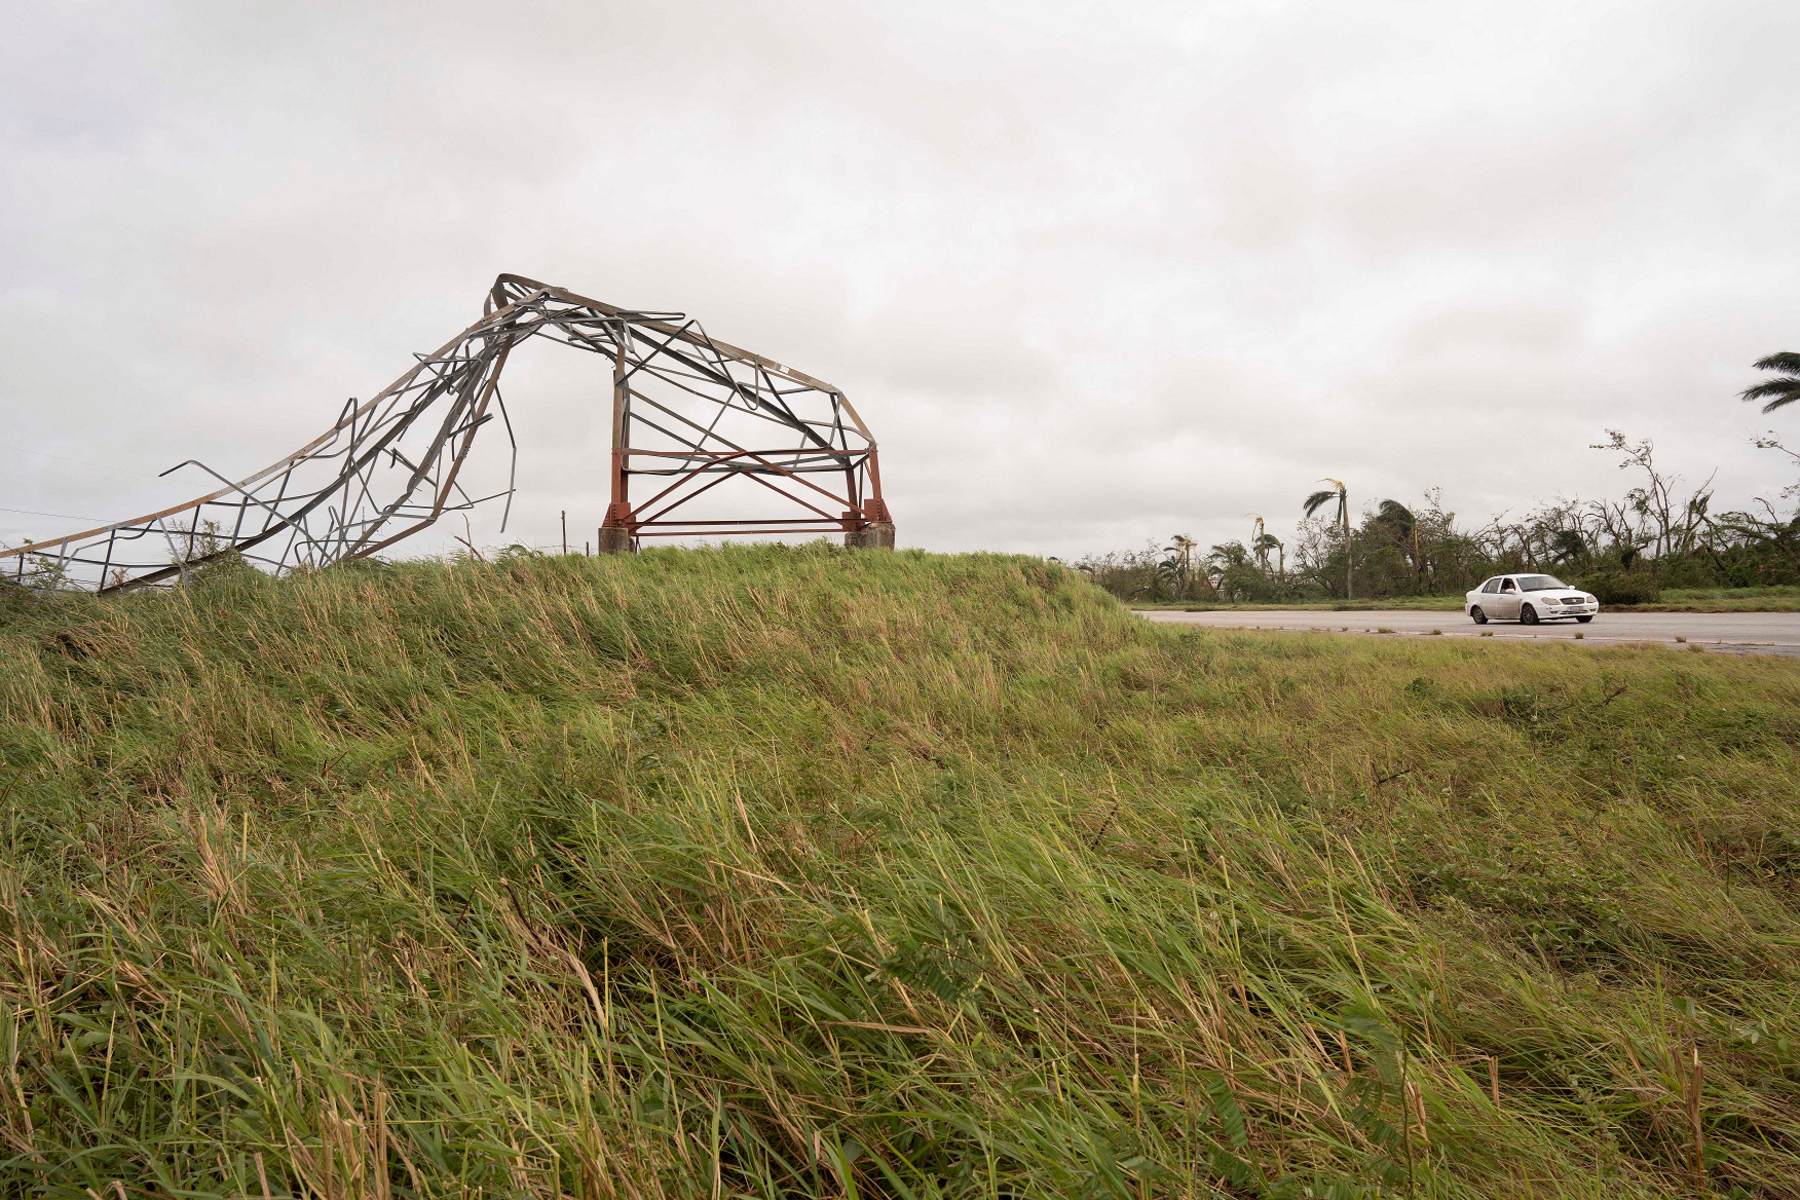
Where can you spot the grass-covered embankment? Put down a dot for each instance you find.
(806, 872)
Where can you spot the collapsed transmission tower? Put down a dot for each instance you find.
(689, 414)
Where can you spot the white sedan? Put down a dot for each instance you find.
(1528, 599)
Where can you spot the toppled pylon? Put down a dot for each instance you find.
(689, 414)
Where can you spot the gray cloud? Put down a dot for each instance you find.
(1093, 275)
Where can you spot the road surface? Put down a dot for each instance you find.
(1734, 633)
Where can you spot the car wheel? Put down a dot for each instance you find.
(1528, 615)
(1480, 617)
(1583, 620)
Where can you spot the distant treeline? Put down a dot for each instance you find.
(1624, 551)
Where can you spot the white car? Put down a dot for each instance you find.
(1528, 599)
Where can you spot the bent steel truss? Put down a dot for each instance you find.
(689, 413)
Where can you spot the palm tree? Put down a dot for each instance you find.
(1256, 544)
(1784, 389)
(1267, 542)
(1396, 516)
(1404, 527)
(1320, 499)
(1180, 562)
(1568, 546)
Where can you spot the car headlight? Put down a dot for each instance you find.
(1551, 600)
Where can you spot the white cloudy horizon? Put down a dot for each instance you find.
(1094, 275)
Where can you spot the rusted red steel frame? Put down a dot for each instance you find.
(641, 520)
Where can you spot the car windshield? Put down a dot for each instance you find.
(1540, 583)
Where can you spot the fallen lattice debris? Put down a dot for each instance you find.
(689, 412)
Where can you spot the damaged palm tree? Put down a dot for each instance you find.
(707, 439)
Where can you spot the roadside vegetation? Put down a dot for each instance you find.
(1661, 544)
(1755, 599)
(805, 872)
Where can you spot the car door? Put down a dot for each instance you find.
(1506, 603)
(1490, 592)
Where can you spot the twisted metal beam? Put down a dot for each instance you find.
(688, 411)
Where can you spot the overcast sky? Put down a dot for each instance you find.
(1093, 274)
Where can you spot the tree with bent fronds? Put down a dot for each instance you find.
(1568, 546)
(1261, 542)
(1235, 575)
(1398, 522)
(1320, 499)
(1266, 542)
(1782, 390)
(1179, 566)
(1398, 517)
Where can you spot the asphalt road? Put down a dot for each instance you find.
(1733, 633)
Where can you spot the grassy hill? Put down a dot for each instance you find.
(805, 872)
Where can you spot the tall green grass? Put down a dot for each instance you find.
(773, 872)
